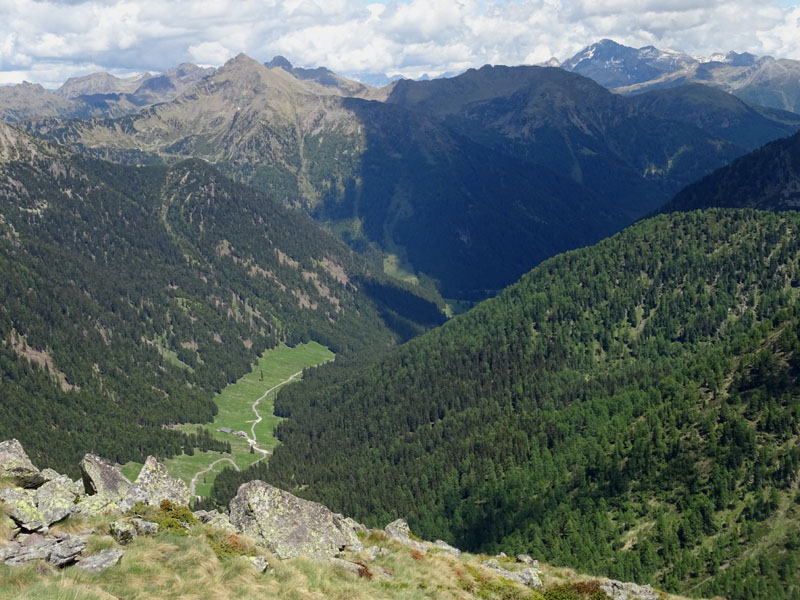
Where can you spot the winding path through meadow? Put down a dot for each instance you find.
(252, 439)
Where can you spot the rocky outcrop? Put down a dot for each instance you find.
(154, 484)
(101, 477)
(400, 532)
(95, 506)
(56, 499)
(17, 467)
(59, 550)
(21, 507)
(36, 510)
(528, 576)
(97, 563)
(289, 526)
(618, 590)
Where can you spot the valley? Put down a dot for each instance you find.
(247, 406)
(549, 311)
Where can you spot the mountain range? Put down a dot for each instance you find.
(626, 401)
(432, 173)
(761, 80)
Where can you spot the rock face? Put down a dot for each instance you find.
(103, 478)
(155, 484)
(289, 526)
(16, 466)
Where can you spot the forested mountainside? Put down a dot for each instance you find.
(470, 180)
(129, 295)
(632, 155)
(629, 409)
(720, 114)
(768, 179)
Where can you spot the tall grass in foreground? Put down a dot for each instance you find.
(188, 565)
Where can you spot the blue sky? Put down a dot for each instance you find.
(46, 41)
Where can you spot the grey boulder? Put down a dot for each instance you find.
(528, 577)
(97, 563)
(17, 467)
(154, 485)
(122, 531)
(22, 509)
(400, 532)
(60, 551)
(618, 590)
(289, 526)
(55, 500)
(104, 478)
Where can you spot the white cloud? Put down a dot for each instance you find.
(209, 53)
(47, 41)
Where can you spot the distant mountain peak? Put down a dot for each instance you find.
(280, 62)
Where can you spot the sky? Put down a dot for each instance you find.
(47, 41)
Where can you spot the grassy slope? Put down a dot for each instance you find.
(185, 565)
(235, 411)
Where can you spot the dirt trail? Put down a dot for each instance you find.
(206, 470)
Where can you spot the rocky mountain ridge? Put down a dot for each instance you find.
(761, 80)
(438, 172)
(263, 527)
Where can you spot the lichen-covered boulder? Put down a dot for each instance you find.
(144, 527)
(528, 576)
(97, 563)
(95, 506)
(21, 505)
(104, 478)
(442, 545)
(122, 531)
(17, 467)
(289, 526)
(525, 559)
(154, 484)
(55, 500)
(215, 519)
(618, 590)
(400, 532)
